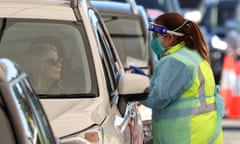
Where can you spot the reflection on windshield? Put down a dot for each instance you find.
(128, 37)
(53, 55)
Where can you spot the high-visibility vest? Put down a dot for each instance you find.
(193, 117)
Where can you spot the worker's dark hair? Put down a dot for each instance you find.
(193, 37)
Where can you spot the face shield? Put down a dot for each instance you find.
(163, 30)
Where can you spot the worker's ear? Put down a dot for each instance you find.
(170, 39)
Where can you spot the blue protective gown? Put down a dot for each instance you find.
(170, 79)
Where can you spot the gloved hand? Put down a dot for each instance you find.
(136, 70)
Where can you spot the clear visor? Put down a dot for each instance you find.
(157, 28)
(162, 30)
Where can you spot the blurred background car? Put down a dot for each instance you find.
(128, 27)
(158, 7)
(219, 19)
(191, 10)
(95, 98)
(155, 8)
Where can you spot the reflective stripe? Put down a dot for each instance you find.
(237, 87)
(203, 108)
(201, 90)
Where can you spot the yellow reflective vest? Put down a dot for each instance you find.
(191, 115)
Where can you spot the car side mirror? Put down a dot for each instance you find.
(134, 87)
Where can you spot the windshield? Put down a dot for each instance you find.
(128, 37)
(54, 55)
(222, 14)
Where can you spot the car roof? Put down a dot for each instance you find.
(120, 8)
(37, 9)
(114, 6)
(211, 2)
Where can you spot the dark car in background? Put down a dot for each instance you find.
(219, 19)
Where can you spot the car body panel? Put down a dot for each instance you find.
(128, 27)
(22, 109)
(47, 10)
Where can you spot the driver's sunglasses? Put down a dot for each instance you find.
(53, 62)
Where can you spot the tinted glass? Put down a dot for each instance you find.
(128, 37)
(53, 54)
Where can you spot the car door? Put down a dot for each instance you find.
(113, 69)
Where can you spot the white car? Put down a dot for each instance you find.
(128, 25)
(93, 101)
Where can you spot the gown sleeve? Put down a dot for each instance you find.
(170, 80)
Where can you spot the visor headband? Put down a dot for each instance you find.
(163, 29)
(181, 25)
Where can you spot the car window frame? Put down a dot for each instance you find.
(141, 24)
(94, 93)
(18, 92)
(106, 53)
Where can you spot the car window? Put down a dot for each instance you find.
(225, 13)
(128, 36)
(216, 15)
(22, 41)
(107, 54)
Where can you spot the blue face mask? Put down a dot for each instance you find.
(156, 46)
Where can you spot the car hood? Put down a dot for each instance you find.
(71, 116)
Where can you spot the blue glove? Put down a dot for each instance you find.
(136, 70)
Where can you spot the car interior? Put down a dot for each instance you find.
(128, 37)
(19, 37)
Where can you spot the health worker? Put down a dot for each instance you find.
(186, 107)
